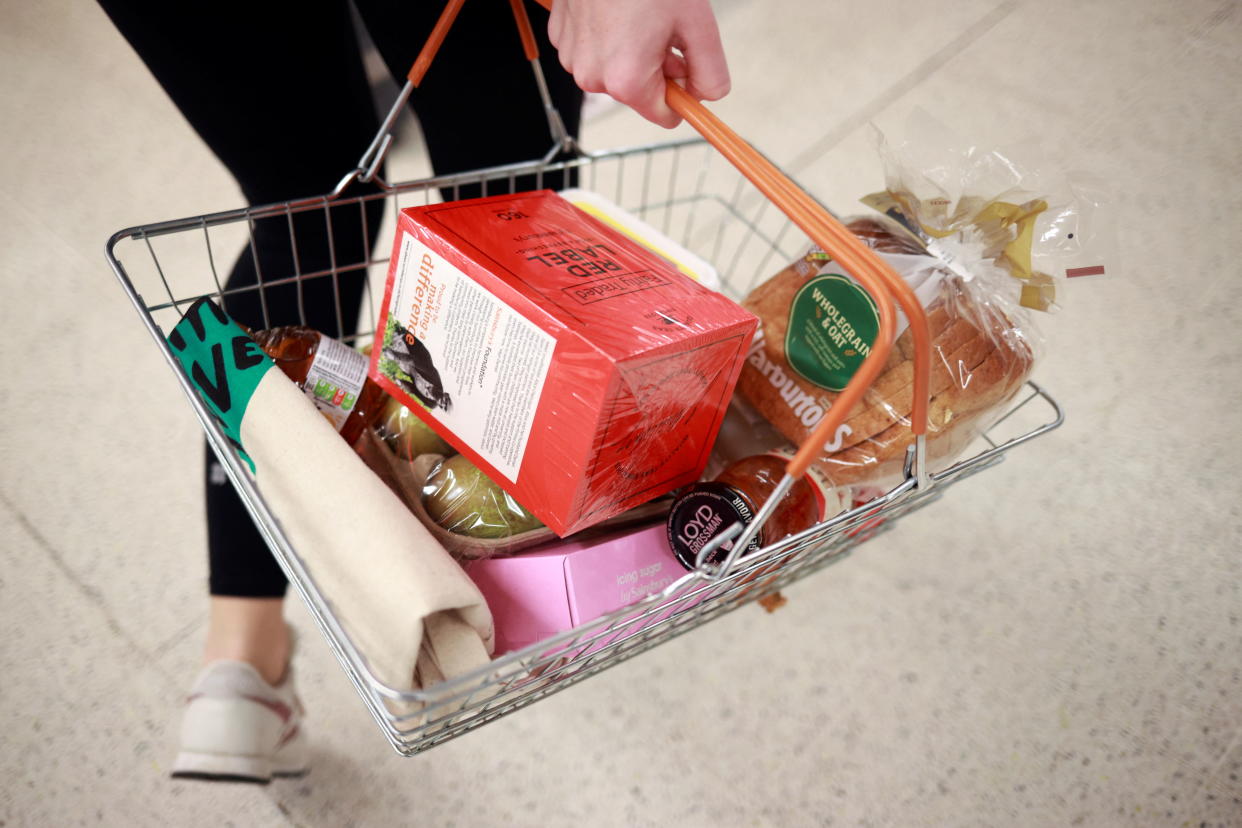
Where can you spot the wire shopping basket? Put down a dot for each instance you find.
(685, 188)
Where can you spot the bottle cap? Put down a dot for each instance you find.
(702, 513)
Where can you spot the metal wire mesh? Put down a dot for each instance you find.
(687, 191)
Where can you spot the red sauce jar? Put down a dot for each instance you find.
(737, 494)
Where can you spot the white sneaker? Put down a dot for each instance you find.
(237, 727)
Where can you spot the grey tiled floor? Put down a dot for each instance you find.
(1058, 642)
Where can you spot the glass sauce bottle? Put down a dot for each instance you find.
(331, 373)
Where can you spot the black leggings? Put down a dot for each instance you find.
(278, 91)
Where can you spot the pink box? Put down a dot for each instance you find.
(537, 594)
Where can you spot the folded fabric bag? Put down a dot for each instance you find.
(407, 606)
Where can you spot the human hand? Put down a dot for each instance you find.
(626, 49)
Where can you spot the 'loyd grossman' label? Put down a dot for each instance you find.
(832, 325)
(703, 513)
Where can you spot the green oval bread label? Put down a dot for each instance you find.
(832, 325)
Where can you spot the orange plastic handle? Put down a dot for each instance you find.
(524, 30)
(846, 248)
(818, 224)
(872, 272)
(447, 17)
(434, 40)
(854, 256)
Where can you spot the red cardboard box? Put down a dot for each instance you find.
(581, 372)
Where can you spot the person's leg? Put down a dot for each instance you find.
(278, 92)
(478, 105)
(252, 630)
(247, 586)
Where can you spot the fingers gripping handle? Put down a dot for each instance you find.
(876, 277)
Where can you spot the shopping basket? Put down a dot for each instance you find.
(693, 194)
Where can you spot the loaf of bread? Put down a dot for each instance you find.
(980, 358)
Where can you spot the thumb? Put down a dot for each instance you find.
(708, 71)
(647, 98)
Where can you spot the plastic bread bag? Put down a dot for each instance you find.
(1011, 208)
(982, 253)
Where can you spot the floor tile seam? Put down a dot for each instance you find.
(85, 589)
(162, 648)
(1204, 787)
(92, 595)
(32, 216)
(905, 84)
(1198, 34)
(1195, 784)
(1190, 41)
(284, 810)
(1215, 777)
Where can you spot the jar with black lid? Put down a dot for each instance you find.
(704, 510)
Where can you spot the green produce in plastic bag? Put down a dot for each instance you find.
(406, 434)
(462, 499)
